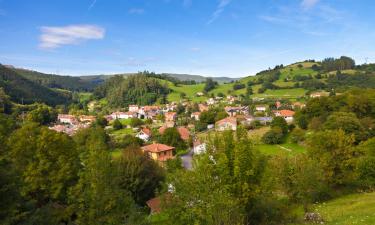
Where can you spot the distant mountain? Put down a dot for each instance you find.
(22, 90)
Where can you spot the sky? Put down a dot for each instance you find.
(232, 38)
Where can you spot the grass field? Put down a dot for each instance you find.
(356, 209)
(292, 93)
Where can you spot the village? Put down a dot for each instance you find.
(154, 120)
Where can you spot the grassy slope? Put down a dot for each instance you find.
(356, 209)
(287, 72)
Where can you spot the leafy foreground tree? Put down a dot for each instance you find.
(97, 198)
(225, 187)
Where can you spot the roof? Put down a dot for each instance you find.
(154, 204)
(156, 147)
(286, 112)
(196, 113)
(162, 129)
(146, 131)
(232, 120)
(184, 133)
(65, 116)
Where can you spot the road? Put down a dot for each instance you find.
(187, 160)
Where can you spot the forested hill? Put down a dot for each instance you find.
(22, 90)
(62, 82)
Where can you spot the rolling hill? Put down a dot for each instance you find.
(22, 90)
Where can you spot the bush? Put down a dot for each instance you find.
(117, 125)
(238, 86)
(135, 122)
(297, 135)
(274, 136)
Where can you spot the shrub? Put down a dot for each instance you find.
(117, 124)
(297, 135)
(274, 136)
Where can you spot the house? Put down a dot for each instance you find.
(261, 108)
(144, 134)
(298, 105)
(123, 115)
(154, 205)
(159, 152)
(229, 123)
(133, 108)
(184, 133)
(196, 115)
(211, 101)
(235, 110)
(199, 94)
(245, 119)
(170, 116)
(286, 114)
(202, 107)
(199, 147)
(278, 104)
(87, 119)
(66, 118)
(264, 120)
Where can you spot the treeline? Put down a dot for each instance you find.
(343, 63)
(22, 90)
(135, 89)
(61, 82)
(50, 178)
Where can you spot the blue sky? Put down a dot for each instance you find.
(210, 37)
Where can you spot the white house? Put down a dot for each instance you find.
(144, 134)
(133, 108)
(196, 115)
(123, 115)
(199, 147)
(66, 118)
(261, 108)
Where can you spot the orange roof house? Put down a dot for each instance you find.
(286, 114)
(170, 116)
(159, 152)
(184, 133)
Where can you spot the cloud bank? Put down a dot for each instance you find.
(219, 10)
(307, 4)
(55, 37)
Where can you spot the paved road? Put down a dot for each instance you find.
(187, 160)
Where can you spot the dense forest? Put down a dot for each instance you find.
(136, 89)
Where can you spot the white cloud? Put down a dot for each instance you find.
(54, 37)
(136, 11)
(219, 9)
(308, 4)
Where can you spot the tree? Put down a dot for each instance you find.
(138, 175)
(128, 140)
(335, 154)
(297, 135)
(210, 84)
(101, 122)
(172, 137)
(117, 125)
(46, 160)
(273, 136)
(135, 122)
(366, 164)
(249, 90)
(42, 114)
(98, 187)
(281, 123)
(347, 122)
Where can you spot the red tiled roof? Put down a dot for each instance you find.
(162, 129)
(146, 131)
(232, 120)
(285, 112)
(196, 113)
(156, 147)
(154, 205)
(184, 133)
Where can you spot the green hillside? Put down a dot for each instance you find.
(289, 82)
(62, 82)
(352, 209)
(22, 90)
